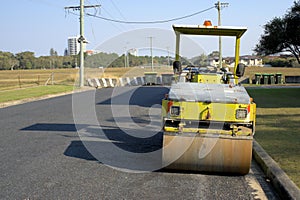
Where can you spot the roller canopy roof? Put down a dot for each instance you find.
(210, 30)
(216, 93)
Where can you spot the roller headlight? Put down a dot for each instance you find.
(241, 114)
(175, 111)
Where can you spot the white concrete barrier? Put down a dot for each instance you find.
(121, 82)
(114, 82)
(128, 81)
(134, 81)
(97, 83)
(103, 81)
(140, 80)
(90, 83)
(125, 81)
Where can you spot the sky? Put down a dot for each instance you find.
(39, 25)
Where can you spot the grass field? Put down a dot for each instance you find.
(278, 127)
(10, 80)
(32, 92)
(30, 78)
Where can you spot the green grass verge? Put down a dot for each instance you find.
(26, 93)
(278, 127)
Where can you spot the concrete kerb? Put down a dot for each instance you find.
(285, 187)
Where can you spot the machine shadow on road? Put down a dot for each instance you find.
(95, 139)
(75, 149)
(115, 148)
(51, 127)
(110, 134)
(139, 96)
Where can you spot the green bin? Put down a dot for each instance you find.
(265, 78)
(278, 78)
(257, 78)
(271, 78)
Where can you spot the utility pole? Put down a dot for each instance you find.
(168, 55)
(81, 39)
(125, 62)
(151, 38)
(219, 6)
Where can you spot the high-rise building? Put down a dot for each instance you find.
(73, 46)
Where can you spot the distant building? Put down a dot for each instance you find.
(92, 52)
(247, 60)
(89, 52)
(133, 52)
(251, 60)
(213, 61)
(73, 46)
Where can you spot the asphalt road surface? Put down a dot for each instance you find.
(102, 145)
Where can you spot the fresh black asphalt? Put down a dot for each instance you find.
(42, 156)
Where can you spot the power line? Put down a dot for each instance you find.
(121, 28)
(112, 18)
(119, 11)
(151, 22)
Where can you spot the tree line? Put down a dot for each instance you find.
(27, 60)
(129, 60)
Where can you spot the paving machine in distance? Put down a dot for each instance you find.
(208, 118)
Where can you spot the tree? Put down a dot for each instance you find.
(26, 59)
(53, 52)
(8, 61)
(282, 34)
(200, 60)
(214, 54)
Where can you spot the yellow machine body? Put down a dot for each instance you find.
(206, 113)
(207, 78)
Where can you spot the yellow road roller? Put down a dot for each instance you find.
(208, 118)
